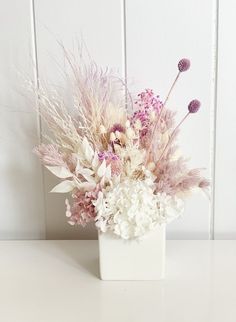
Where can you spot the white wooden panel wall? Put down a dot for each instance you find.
(158, 34)
(143, 39)
(225, 181)
(21, 197)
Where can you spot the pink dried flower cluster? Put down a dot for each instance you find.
(148, 106)
(104, 149)
(82, 210)
(147, 100)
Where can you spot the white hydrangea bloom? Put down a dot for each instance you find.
(169, 207)
(130, 209)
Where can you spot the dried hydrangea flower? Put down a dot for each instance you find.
(183, 65)
(82, 210)
(135, 209)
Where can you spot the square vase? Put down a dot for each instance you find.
(133, 259)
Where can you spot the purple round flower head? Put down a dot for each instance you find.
(183, 65)
(194, 106)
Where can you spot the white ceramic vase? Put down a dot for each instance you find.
(132, 259)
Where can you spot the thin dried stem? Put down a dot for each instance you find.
(160, 114)
(172, 136)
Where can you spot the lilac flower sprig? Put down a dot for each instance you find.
(193, 107)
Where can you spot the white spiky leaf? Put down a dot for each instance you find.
(87, 174)
(87, 186)
(64, 187)
(87, 149)
(86, 171)
(95, 161)
(108, 172)
(60, 172)
(102, 169)
(78, 166)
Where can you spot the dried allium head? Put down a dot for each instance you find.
(194, 106)
(183, 65)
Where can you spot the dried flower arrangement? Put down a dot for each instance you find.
(116, 156)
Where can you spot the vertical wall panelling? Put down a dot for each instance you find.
(21, 202)
(225, 177)
(142, 40)
(158, 34)
(100, 25)
(215, 15)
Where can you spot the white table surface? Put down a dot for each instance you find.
(57, 281)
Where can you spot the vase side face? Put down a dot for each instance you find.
(133, 259)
